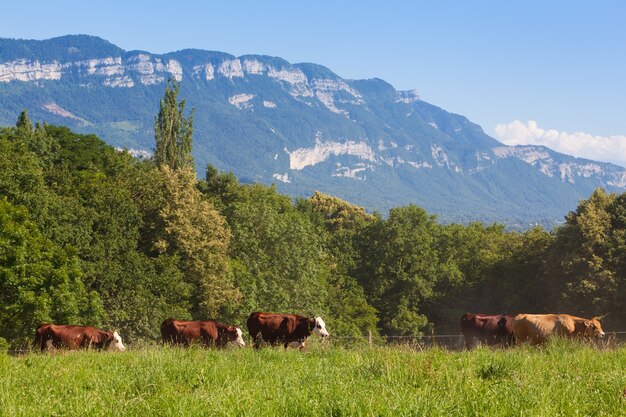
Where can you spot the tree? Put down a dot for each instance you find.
(172, 131)
(580, 273)
(341, 223)
(22, 178)
(39, 281)
(337, 213)
(465, 254)
(24, 124)
(220, 188)
(616, 292)
(197, 234)
(400, 268)
(277, 254)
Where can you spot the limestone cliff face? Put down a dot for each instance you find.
(116, 72)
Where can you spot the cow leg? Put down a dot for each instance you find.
(48, 346)
(295, 344)
(511, 341)
(538, 341)
(208, 342)
(275, 343)
(469, 342)
(256, 341)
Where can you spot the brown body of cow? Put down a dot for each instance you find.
(537, 328)
(489, 329)
(286, 329)
(52, 336)
(210, 333)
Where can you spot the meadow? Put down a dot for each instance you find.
(561, 379)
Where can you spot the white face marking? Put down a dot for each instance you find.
(117, 344)
(239, 341)
(320, 327)
(49, 345)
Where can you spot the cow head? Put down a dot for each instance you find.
(115, 342)
(238, 336)
(593, 328)
(505, 324)
(318, 327)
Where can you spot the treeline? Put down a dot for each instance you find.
(91, 235)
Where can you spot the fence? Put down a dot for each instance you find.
(448, 341)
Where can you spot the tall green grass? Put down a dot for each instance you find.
(562, 379)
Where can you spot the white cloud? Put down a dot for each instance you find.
(579, 144)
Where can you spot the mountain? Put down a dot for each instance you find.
(300, 126)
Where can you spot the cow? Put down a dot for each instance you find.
(210, 333)
(536, 328)
(489, 329)
(290, 330)
(57, 336)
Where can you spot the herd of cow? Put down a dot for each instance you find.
(291, 330)
(507, 330)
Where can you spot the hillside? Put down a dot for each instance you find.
(300, 126)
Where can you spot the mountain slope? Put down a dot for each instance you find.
(300, 126)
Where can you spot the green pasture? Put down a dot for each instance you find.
(562, 379)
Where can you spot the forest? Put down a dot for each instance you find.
(91, 235)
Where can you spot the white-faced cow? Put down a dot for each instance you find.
(289, 330)
(537, 328)
(52, 336)
(210, 333)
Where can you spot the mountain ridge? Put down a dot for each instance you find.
(300, 126)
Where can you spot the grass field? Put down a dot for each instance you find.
(562, 379)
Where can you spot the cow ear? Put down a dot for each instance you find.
(311, 323)
(588, 323)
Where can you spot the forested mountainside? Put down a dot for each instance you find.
(301, 127)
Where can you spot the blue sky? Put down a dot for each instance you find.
(547, 72)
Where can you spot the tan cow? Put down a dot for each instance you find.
(536, 328)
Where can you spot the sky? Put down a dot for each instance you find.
(529, 72)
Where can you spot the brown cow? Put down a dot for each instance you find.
(52, 336)
(536, 328)
(289, 330)
(211, 333)
(489, 329)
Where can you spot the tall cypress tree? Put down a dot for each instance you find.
(173, 131)
(24, 124)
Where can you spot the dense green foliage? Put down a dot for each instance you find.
(41, 282)
(560, 380)
(89, 234)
